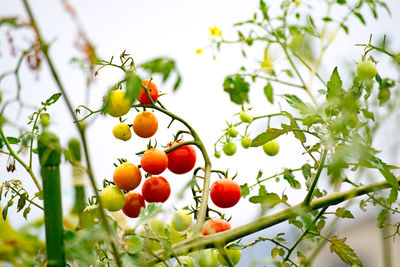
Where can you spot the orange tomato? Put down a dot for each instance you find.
(145, 124)
(133, 203)
(153, 91)
(154, 161)
(127, 176)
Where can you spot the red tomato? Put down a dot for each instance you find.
(156, 189)
(133, 203)
(225, 193)
(182, 159)
(213, 226)
(154, 161)
(153, 91)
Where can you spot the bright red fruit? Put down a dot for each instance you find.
(225, 193)
(182, 159)
(153, 91)
(154, 161)
(156, 189)
(213, 226)
(133, 203)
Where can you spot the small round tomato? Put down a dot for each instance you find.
(182, 159)
(133, 203)
(154, 161)
(90, 216)
(366, 70)
(119, 103)
(232, 132)
(225, 193)
(217, 154)
(234, 255)
(181, 220)
(207, 258)
(153, 91)
(246, 116)
(156, 189)
(112, 198)
(245, 141)
(145, 124)
(122, 131)
(186, 261)
(213, 226)
(271, 148)
(229, 148)
(127, 176)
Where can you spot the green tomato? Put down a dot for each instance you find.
(175, 236)
(45, 119)
(158, 227)
(271, 148)
(90, 216)
(234, 255)
(246, 116)
(245, 141)
(229, 148)
(181, 221)
(160, 264)
(112, 198)
(232, 132)
(207, 258)
(366, 70)
(186, 262)
(217, 154)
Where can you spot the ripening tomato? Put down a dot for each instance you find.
(181, 220)
(133, 203)
(122, 131)
(182, 159)
(112, 198)
(154, 161)
(127, 176)
(213, 226)
(153, 91)
(145, 124)
(225, 193)
(119, 103)
(156, 189)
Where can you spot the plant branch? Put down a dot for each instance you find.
(310, 193)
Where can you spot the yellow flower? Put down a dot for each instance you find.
(215, 32)
(267, 64)
(298, 3)
(199, 51)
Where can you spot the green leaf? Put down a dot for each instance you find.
(298, 134)
(306, 170)
(164, 67)
(367, 114)
(53, 99)
(269, 93)
(334, 85)
(13, 140)
(26, 212)
(269, 200)
(393, 196)
(346, 253)
(133, 85)
(267, 136)
(237, 88)
(294, 101)
(381, 219)
(360, 17)
(290, 178)
(133, 244)
(343, 213)
(21, 202)
(245, 190)
(148, 213)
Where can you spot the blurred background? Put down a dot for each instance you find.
(176, 29)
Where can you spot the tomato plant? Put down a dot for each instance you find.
(127, 176)
(156, 189)
(225, 193)
(134, 202)
(182, 159)
(154, 161)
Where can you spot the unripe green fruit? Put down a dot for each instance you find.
(234, 255)
(217, 154)
(90, 216)
(271, 148)
(157, 226)
(112, 198)
(232, 132)
(186, 262)
(181, 221)
(45, 120)
(229, 148)
(207, 258)
(366, 70)
(246, 116)
(245, 141)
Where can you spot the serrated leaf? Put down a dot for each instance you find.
(245, 190)
(269, 93)
(267, 136)
(381, 219)
(26, 212)
(393, 196)
(21, 202)
(334, 85)
(237, 88)
(346, 253)
(290, 178)
(269, 200)
(53, 99)
(13, 140)
(343, 213)
(306, 170)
